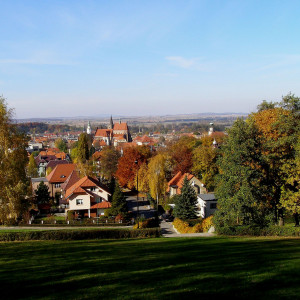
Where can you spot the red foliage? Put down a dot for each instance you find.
(127, 167)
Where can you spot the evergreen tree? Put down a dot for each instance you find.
(42, 193)
(186, 203)
(118, 204)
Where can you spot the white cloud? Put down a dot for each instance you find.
(182, 62)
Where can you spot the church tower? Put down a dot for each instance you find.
(89, 128)
(111, 124)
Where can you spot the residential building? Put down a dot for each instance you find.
(175, 184)
(207, 205)
(87, 198)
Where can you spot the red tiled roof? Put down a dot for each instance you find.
(103, 132)
(122, 126)
(60, 173)
(84, 182)
(72, 179)
(103, 204)
(178, 179)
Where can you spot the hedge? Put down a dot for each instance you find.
(273, 230)
(79, 234)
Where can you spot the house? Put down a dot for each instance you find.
(87, 197)
(175, 184)
(207, 204)
(57, 177)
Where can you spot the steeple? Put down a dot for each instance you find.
(111, 123)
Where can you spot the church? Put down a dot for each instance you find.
(114, 134)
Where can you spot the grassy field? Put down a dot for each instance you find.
(174, 268)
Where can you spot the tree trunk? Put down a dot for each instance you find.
(296, 216)
(280, 215)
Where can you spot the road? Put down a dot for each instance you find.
(142, 207)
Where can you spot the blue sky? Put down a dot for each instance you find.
(86, 58)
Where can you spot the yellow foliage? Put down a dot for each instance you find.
(183, 227)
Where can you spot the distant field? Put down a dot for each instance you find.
(177, 268)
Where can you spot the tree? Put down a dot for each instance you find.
(83, 148)
(186, 203)
(279, 128)
(128, 165)
(157, 170)
(109, 162)
(61, 145)
(42, 193)
(239, 187)
(143, 178)
(205, 165)
(32, 170)
(13, 162)
(118, 204)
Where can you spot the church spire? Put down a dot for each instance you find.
(111, 123)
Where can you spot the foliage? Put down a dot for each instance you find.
(13, 161)
(109, 162)
(128, 165)
(42, 193)
(118, 204)
(61, 145)
(148, 223)
(240, 200)
(205, 165)
(184, 226)
(157, 170)
(142, 179)
(32, 170)
(83, 148)
(186, 204)
(79, 234)
(207, 223)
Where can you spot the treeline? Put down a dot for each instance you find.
(189, 127)
(38, 127)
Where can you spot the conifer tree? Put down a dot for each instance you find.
(118, 204)
(185, 206)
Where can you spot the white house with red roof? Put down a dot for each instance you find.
(175, 184)
(87, 197)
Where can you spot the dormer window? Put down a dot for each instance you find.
(62, 176)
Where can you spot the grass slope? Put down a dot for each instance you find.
(178, 268)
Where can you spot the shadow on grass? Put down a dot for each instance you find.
(244, 268)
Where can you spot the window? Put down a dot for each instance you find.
(57, 185)
(93, 189)
(79, 201)
(213, 205)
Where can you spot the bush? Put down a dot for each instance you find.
(249, 230)
(79, 234)
(193, 226)
(207, 223)
(148, 223)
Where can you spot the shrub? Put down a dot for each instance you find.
(70, 215)
(148, 223)
(79, 234)
(207, 223)
(272, 230)
(193, 226)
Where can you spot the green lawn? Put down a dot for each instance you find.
(174, 268)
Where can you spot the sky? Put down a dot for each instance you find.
(88, 58)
